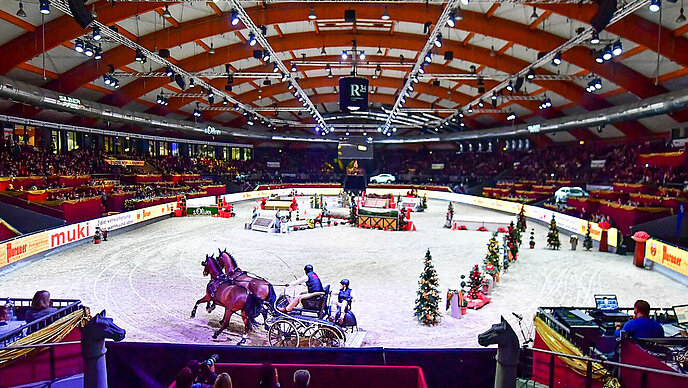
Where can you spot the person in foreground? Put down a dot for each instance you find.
(40, 306)
(641, 326)
(302, 378)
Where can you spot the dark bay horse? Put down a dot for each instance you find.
(258, 286)
(233, 297)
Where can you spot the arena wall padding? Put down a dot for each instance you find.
(155, 365)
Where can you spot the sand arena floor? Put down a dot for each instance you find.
(148, 279)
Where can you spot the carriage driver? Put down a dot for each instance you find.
(313, 283)
(344, 298)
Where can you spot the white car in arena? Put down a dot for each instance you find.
(565, 192)
(383, 178)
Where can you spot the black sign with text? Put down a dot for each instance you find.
(353, 94)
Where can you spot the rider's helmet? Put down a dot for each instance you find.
(345, 282)
(308, 268)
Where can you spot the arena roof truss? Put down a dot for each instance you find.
(502, 63)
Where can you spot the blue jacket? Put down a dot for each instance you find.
(642, 328)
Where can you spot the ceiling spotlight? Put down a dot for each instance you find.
(480, 104)
(79, 46)
(311, 15)
(234, 17)
(598, 83)
(428, 57)
(595, 39)
(680, 19)
(556, 61)
(251, 39)
(534, 15)
(494, 96)
(451, 21)
(266, 55)
(322, 51)
(345, 56)
(96, 33)
(225, 101)
(510, 87)
(98, 53)
(139, 56)
(599, 57)
(470, 109)
(212, 49)
(421, 69)
(464, 2)
(361, 55)
(607, 53)
(45, 7)
(166, 12)
(106, 79)
(249, 121)
(275, 69)
(197, 113)
(192, 83)
(168, 71)
(385, 15)
(88, 50)
(21, 12)
(617, 48)
(438, 40)
(654, 5)
(293, 66)
(511, 116)
(531, 74)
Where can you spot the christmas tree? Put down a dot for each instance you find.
(521, 224)
(427, 308)
(492, 262)
(587, 241)
(352, 215)
(553, 235)
(513, 241)
(475, 283)
(424, 203)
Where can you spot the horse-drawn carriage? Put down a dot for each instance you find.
(313, 322)
(237, 290)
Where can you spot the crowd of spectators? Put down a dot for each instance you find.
(202, 375)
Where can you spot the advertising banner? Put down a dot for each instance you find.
(200, 202)
(667, 255)
(116, 162)
(24, 247)
(202, 211)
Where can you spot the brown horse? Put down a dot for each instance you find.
(258, 286)
(233, 297)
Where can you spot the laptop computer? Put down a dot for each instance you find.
(608, 305)
(681, 313)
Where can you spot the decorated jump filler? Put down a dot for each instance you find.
(553, 235)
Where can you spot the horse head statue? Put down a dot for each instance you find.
(507, 352)
(500, 333)
(102, 327)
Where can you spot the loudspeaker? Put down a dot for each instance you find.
(258, 54)
(81, 14)
(605, 11)
(436, 82)
(350, 15)
(180, 81)
(448, 55)
(518, 84)
(164, 53)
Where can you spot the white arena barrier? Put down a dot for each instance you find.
(492, 224)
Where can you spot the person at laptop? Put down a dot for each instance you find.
(641, 326)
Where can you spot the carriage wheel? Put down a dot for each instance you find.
(283, 334)
(325, 337)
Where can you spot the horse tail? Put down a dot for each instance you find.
(252, 307)
(272, 296)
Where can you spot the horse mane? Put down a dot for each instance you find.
(234, 262)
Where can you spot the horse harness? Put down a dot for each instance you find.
(230, 278)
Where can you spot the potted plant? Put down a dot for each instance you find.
(462, 297)
(532, 239)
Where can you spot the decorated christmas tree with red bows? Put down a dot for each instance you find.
(492, 263)
(475, 283)
(587, 241)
